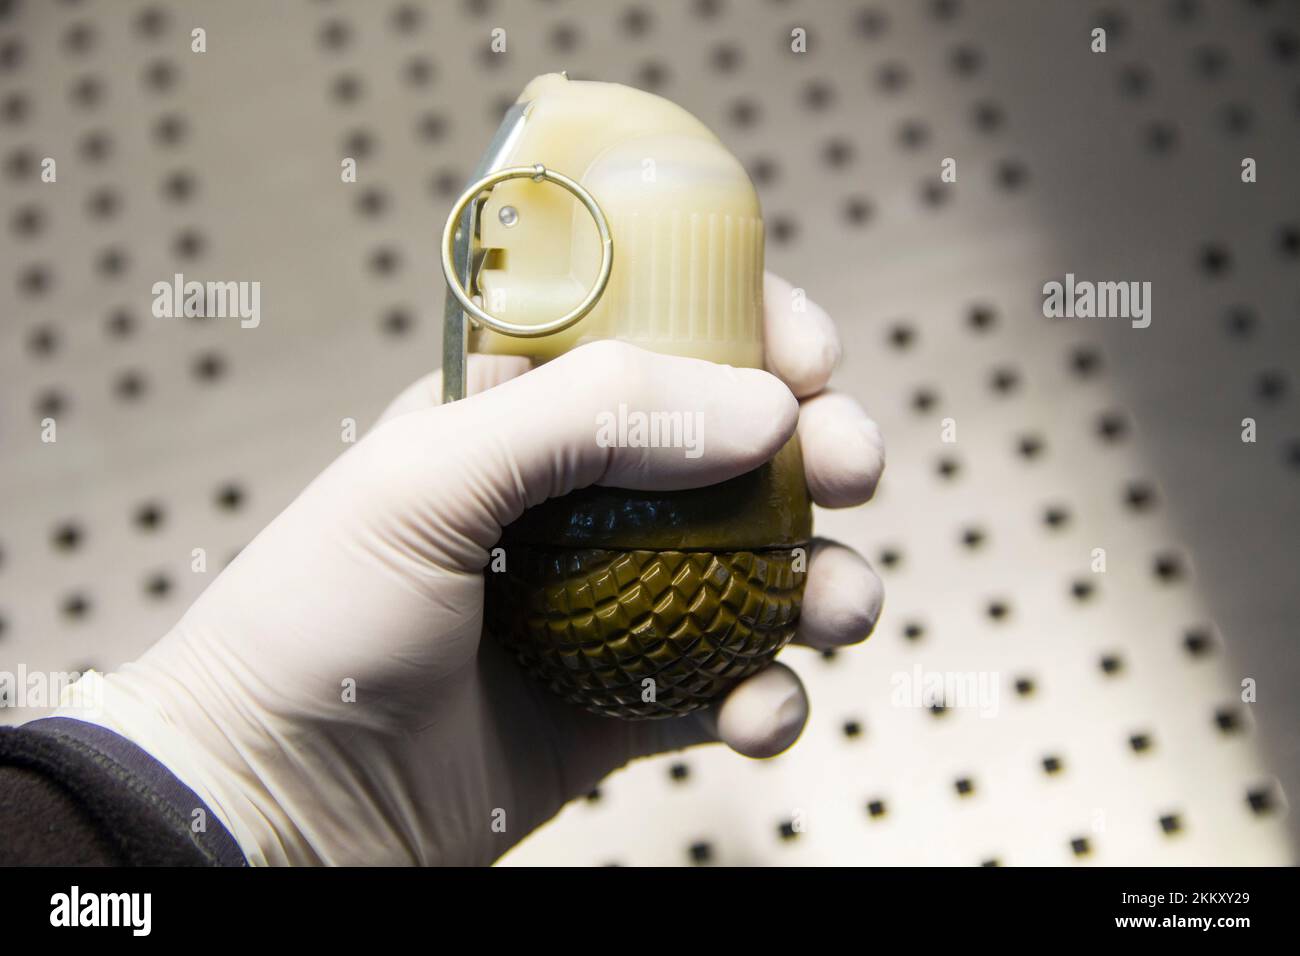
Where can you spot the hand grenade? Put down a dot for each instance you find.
(629, 603)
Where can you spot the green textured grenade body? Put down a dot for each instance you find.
(640, 604)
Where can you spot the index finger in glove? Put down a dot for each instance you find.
(801, 343)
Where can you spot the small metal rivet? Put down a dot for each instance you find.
(508, 215)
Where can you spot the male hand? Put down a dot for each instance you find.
(373, 579)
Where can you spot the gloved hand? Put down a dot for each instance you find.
(372, 580)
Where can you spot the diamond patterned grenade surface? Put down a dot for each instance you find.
(594, 624)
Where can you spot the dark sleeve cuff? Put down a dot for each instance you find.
(75, 793)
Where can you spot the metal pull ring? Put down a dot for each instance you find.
(538, 173)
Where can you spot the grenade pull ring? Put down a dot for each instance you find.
(457, 262)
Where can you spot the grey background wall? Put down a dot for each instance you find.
(1119, 734)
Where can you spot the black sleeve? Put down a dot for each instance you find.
(73, 793)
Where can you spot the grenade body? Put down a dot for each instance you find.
(645, 633)
(652, 604)
(640, 604)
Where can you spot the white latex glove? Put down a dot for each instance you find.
(375, 575)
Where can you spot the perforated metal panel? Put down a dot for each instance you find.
(1119, 732)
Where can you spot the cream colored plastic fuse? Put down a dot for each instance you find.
(688, 272)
